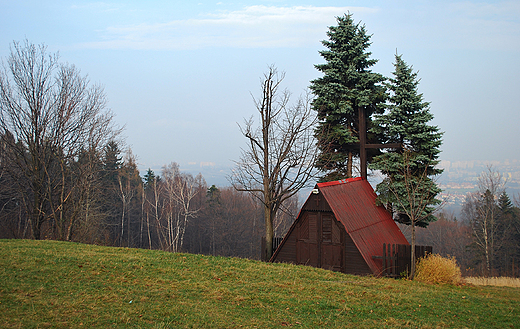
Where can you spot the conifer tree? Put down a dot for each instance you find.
(149, 178)
(112, 161)
(509, 244)
(408, 189)
(504, 204)
(412, 167)
(346, 85)
(112, 164)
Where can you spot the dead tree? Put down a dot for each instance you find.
(281, 151)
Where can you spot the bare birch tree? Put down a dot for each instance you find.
(281, 150)
(481, 210)
(180, 190)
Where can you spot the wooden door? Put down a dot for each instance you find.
(331, 243)
(307, 240)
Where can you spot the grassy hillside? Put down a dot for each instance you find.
(58, 284)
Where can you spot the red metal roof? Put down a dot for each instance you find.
(353, 202)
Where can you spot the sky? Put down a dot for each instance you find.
(181, 75)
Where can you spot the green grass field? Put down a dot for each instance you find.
(62, 285)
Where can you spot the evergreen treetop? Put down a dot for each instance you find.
(112, 161)
(408, 115)
(149, 178)
(347, 84)
(505, 204)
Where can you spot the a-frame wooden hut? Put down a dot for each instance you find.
(340, 228)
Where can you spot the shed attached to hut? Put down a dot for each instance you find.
(340, 228)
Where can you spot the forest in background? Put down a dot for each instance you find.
(177, 211)
(172, 211)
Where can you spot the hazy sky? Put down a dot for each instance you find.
(179, 74)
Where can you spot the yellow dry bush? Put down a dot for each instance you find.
(437, 269)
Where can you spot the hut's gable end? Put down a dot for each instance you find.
(316, 239)
(316, 202)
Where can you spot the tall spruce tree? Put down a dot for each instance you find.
(346, 85)
(408, 189)
(413, 165)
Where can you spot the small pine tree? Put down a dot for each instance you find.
(112, 161)
(347, 84)
(149, 179)
(504, 203)
(508, 235)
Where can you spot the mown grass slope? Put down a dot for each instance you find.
(62, 285)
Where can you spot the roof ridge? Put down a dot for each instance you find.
(339, 182)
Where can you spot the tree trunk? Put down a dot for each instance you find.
(268, 232)
(486, 250)
(36, 218)
(412, 265)
(35, 226)
(349, 165)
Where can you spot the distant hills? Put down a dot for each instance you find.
(459, 177)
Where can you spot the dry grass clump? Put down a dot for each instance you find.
(494, 281)
(437, 269)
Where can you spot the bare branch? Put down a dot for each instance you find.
(281, 153)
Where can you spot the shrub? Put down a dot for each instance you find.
(437, 269)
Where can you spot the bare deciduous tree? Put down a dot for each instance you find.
(53, 115)
(481, 211)
(281, 152)
(180, 190)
